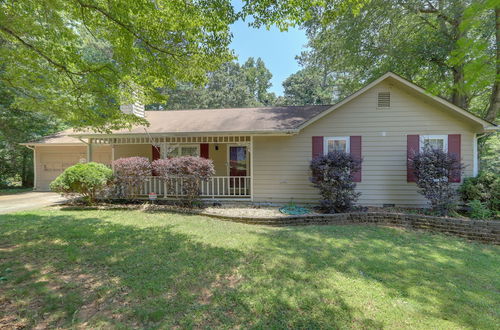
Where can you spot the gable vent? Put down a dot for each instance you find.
(384, 100)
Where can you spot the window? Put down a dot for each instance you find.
(434, 142)
(187, 150)
(384, 100)
(337, 143)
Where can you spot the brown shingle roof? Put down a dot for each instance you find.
(227, 120)
(264, 119)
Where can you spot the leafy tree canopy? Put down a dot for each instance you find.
(78, 59)
(231, 86)
(450, 47)
(309, 86)
(17, 126)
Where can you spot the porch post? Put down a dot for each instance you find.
(251, 168)
(113, 157)
(89, 151)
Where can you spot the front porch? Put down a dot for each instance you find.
(231, 156)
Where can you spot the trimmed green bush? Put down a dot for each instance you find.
(485, 188)
(84, 180)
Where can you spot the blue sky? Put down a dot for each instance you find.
(277, 49)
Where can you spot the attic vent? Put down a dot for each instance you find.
(384, 100)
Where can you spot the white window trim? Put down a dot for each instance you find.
(435, 137)
(347, 139)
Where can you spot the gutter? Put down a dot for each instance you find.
(195, 133)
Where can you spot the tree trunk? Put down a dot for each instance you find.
(492, 113)
(458, 97)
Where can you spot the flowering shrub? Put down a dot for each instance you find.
(130, 174)
(485, 188)
(332, 175)
(432, 168)
(85, 180)
(190, 170)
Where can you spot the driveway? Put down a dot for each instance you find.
(27, 201)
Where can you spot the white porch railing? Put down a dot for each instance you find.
(215, 187)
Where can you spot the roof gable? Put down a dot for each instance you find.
(446, 104)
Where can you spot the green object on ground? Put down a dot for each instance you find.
(131, 269)
(294, 210)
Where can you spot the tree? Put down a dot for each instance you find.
(258, 79)
(308, 86)
(17, 126)
(79, 59)
(231, 86)
(449, 47)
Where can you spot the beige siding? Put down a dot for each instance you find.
(53, 160)
(133, 150)
(281, 163)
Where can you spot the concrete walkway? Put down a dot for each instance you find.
(27, 201)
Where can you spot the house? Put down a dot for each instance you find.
(263, 154)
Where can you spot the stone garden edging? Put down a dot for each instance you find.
(487, 231)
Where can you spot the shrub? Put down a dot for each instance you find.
(484, 188)
(130, 174)
(332, 175)
(479, 210)
(191, 170)
(86, 180)
(433, 168)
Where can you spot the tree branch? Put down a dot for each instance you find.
(125, 26)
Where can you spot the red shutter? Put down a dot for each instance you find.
(355, 146)
(204, 150)
(412, 147)
(155, 152)
(454, 150)
(317, 146)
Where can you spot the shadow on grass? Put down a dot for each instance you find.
(68, 271)
(71, 269)
(449, 278)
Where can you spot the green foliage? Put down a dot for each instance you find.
(17, 126)
(231, 86)
(444, 46)
(479, 210)
(308, 86)
(485, 188)
(84, 180)
(489, 150)
(78, 59)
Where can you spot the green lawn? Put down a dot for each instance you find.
(11, 191)
(130, 269)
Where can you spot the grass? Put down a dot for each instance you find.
(15, 190)
(130, 269)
